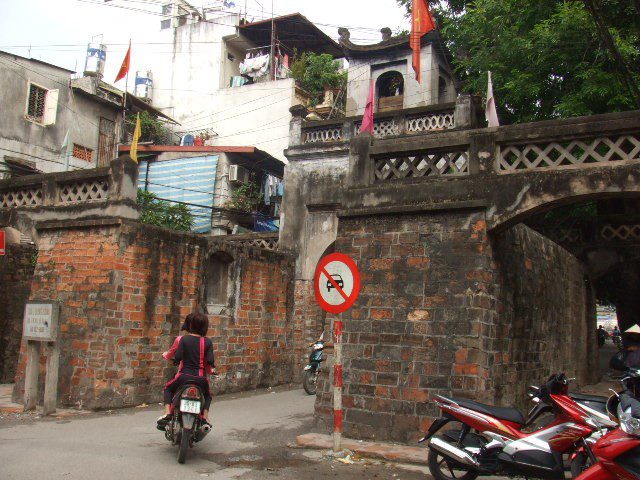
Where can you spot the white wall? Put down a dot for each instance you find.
(191, 78)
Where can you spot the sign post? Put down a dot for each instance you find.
(337, 285)
(41, 325)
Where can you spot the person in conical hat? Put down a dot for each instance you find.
(631, 342)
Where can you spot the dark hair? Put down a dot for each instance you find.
(198, 323)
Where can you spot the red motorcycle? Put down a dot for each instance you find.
(617, 454)
(494, 441)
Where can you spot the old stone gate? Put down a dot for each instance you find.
(461, 295)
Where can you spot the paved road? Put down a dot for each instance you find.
(248, 442)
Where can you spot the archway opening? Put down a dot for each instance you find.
(390, 91)
(568, 270)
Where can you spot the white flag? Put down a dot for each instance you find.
(490, 109)
(64, 150)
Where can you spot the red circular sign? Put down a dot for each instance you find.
(336, 283)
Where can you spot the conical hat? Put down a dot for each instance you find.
(634, 329)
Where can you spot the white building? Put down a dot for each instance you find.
(197, 78)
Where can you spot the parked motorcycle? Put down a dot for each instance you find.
(500, 444)
(617, 454)
(309, 381)
(187, 426)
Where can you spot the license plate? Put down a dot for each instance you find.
(189, 406)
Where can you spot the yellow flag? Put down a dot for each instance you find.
(133, 153)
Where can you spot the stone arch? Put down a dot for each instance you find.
(390, 91)
(520, 196)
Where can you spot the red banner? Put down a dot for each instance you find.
(2, 247)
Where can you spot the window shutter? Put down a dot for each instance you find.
(50, 107)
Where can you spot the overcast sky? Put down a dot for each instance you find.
(58, 30)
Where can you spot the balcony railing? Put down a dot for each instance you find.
(404, 122)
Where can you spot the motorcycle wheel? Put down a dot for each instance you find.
(309, 382)
(443, 469)
(579, 464)
(184, 445)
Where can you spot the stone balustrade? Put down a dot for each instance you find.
(82, 194)
(574, 143)
(404, 122)
(264, 241)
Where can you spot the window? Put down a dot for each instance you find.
(83, 153)
(35, 107)
(42, 105)
(217, 286)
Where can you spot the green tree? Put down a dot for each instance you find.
(546, 57)
(315, 72)
(154, 211)
(245, 198)
(151, 129)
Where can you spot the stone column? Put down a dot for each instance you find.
(298, 112)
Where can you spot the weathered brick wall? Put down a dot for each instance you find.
(445, 309)
(428, 297)
(125, 289)
(547, 318)
(16, 273)
(253, 345)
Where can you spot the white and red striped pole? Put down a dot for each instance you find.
(337, 385)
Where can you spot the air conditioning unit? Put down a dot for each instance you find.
(238, 174)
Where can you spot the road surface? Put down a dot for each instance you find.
(249, 441)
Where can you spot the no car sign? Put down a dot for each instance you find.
(336, 283)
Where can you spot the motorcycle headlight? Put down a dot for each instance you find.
(629, 424)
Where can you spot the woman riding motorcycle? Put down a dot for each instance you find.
(194, 354)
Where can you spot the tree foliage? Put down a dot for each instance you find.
(315, 72)
(546, 57)
(245, 198)
(151, 129)
(154, 211)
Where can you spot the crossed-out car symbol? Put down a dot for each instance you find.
(338, 279)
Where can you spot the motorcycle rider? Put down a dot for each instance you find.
(602, 335)
(194, 353)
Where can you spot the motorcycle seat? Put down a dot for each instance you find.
(588, 398)
(504, 413)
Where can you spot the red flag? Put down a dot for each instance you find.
(124, 69)
(421, 22)
(367, 119)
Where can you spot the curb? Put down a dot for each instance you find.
(385, 451)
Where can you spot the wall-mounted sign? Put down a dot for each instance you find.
(41, 321)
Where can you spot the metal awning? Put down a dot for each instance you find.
(293, 31)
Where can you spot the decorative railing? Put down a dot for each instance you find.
(264, 241)
(117, 182)
(601, 150)
(411, 121)
(420, 165)
(21, 197)
(322, 135)
(84, 191)
(624, 233)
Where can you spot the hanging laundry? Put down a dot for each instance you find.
(255, 67)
